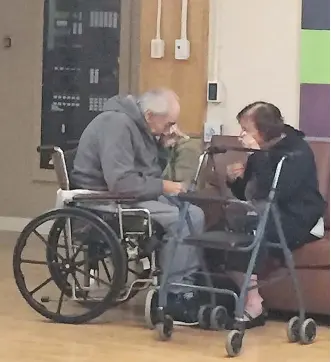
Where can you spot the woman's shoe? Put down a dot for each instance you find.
(258, 321)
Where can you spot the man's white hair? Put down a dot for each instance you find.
(157, 101)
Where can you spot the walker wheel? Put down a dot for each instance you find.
(308, 331)
(165, 329)
(204, 316)
(218, 318)
(293, 330)
(151, 315)
(234, 343)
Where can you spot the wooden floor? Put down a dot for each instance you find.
(121, 336)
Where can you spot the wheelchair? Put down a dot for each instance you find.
(213, 316)
(91, 258)
(101, 245)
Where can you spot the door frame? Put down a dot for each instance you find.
(130, 47)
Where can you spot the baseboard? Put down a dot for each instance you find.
(17, 224)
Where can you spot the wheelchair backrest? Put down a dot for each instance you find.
(63, 164)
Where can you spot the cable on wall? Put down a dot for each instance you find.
(158, 19)
(184, 19)
(216, 41)
(157, 44)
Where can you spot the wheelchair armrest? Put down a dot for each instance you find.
(104, 196)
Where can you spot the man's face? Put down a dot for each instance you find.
(162, 124)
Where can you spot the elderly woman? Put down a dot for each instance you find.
(300, 203)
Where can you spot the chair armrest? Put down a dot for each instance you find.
(104, 196)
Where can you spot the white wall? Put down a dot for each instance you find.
(258, 43)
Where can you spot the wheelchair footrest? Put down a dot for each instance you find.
(223, 240)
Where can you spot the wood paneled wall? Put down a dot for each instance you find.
(188, 78)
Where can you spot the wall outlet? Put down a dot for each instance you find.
(182, 49)
(157, 48)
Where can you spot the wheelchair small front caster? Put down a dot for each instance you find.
(234, 343)
(308, 331)
(293, 330)
(165, 329)
(218, 318)
(204, 316)
(151, 313)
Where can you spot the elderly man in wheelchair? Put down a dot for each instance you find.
(115, 213)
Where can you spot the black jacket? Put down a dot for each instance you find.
(298, 197)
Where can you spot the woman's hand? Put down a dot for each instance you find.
(235, 171)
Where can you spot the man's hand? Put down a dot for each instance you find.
(234, 171)
(173, 188)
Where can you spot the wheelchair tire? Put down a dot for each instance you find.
(108, 236)
(151, 303)
(53, 239)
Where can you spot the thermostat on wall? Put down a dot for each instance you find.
(214, 92)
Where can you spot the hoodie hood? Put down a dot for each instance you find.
(128, 105)
(293, 138)
(293, 132)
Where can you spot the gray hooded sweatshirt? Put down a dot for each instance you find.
(117, 152)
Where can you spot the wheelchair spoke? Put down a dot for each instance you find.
(95, 278)
(106, 270)
(41, 285)
(36, 262)
(66, 239)
(61, 297)
(47, 245)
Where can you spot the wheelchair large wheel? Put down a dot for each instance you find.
(89, 230)
(133, 269)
